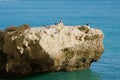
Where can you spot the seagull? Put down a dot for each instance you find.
(61, 20)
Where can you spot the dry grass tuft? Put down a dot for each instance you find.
(19, 28)
(92, 37)
(84, 29)
(11, 29)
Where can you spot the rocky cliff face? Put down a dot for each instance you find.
(52, 48)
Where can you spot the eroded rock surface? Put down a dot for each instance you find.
(53, 48)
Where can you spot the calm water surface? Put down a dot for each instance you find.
(103, 14)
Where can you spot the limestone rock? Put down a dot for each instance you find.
(52, 48)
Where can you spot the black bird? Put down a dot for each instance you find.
(87, 24)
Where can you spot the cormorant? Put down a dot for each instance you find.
(87, 24)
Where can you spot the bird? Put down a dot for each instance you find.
(61, 20)
(87, 24)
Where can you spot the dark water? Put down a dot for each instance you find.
(86, 74)
(104, 14)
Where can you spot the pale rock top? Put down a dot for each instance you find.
(54, 38)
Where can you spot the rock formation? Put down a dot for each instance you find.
(51, 48)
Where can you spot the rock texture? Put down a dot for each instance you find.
(51, 48)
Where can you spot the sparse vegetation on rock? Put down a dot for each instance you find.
(23, 27)
(10, 29)
(84, 29)
(19, 28)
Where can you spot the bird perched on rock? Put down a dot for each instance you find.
(87, 24)
(61, 20)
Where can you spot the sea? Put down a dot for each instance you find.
(102, 14)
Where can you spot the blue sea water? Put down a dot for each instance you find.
(103, 14)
